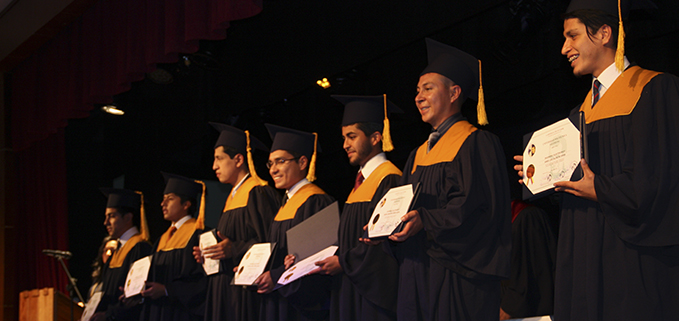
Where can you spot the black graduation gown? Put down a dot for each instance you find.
(451, 269)
(618, 258)
(530, 289)
(113, 277)
(245, 222)
(306, 298)
(175, 267)
(369, 282)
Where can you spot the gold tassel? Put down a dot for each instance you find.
(145, 234)
(481, 106)
(251, 163)
(200, 220)
(311, 176)
(620, 51)
(387, 144)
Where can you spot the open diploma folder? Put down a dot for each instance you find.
(253, 263)
(211, 266)
(386, 218)
(552, 154)
(136, 276)
(313, 237)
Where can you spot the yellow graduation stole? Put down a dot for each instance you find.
(621, 98)
(367, 189)
(180, 238)
(446, 148)
(119, 256)
(287, 211)
(242, 195)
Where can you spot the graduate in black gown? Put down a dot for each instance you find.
(529, 291)
(176, 284)
(247, 216)
(369, 275)
(456, 243)
(618, 247)
(292, 167)
(124, 212)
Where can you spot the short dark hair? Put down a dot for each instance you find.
(368, 128)
(232, 152)
(297, 155)
(192, 209)
(122, 210)
(594, 20)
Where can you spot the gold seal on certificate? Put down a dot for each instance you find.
(386, 217)
(552, 154)
(253, 263)
(136, 276)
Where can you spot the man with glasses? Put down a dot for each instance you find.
(292, 167)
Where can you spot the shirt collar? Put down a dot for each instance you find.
(235, 188)
(372, 164)
(446, 124)
(181, 221)
(610, 74)
(132, 231)
(296, 187)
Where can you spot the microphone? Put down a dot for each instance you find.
(58, 254)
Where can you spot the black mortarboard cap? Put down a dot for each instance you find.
(235, 138)
(181, 185)
(291, 140)
(455, 64)
(610, 6)
(118, 197)
(304, 143)
(359, 109)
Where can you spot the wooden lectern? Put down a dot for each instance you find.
(46, 304)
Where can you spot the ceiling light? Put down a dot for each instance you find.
(113, 110)
(324, 83)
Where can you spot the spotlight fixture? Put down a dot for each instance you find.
(113, 110)
(324, 83)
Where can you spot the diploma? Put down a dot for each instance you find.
(91, 306)
(253, 263)
(552, 154)
(305, 266)
(136, 276)
(386, 218)
(211, 266)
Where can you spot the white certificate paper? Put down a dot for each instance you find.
(91, 306)
(136, 276)
(211, 266)
(387, 214)
(551, 155)
(307, 265)
(253, 263)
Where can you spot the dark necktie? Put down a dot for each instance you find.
(433, 138)
(172, 230)
(595, 92)
(359, 180)
(285, 199)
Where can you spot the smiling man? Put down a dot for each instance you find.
(456, 242)
(618, 248)
(291, 165)
(176, 284)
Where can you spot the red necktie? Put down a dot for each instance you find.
(595, 92)
(359, 180)
(172, 230)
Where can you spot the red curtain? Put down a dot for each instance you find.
(113, 44)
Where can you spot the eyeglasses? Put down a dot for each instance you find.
(279, 161)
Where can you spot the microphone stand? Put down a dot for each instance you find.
(73, 285)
